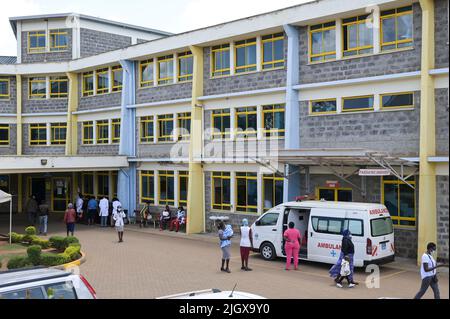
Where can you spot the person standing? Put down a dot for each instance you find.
(118, 217)
(32, 210)
(92, 210)
(179, 220)
(115, 204)
(225, 235)
(43, 218)
(428, 273)
(246, 244)
(347, 249)
(292, 245)
(79, 206)
(104, 211)
(70, 217)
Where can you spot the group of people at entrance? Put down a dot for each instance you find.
(37, 213)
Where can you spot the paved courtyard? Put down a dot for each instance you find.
(150, 263)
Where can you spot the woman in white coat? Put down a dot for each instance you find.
(115, 203)
(104, 211)
(118, 216)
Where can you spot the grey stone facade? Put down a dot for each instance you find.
(41, 105)
(39, 150)
(442, 202)
(441, 33)
(241, 82)
(396, 132)
(10, 105)
(442, 123)
(12, 148)
(372, 65)
(100, 149)
(57, 56)
(95, 42)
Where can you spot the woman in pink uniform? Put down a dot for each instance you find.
(292, 245)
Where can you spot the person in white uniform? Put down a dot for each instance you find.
(79, 206)
(428, 273)
(246, 244)
(104, 211)
(118, 216)
(115, 204)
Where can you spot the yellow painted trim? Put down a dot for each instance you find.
(38, 142)
(19, 123)
(245, 176)
(166, 175)
(85, 76)
(66, 199)
(274, 179)
(150, 175)
(99, 73)
(7, 96)
(72, 120)
(90, 139)
(222, 176)
(115, 139)
(57, 127)
(58, 48)
(398, 217)
(354, 98)
(83, 190)
(396, 107)
(6, 142)
(116, 88)
(36, 80)
(37, 34)
(336, 189)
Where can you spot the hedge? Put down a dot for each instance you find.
(72, 252)
(53, 260)
(45, 244)
(30, 230)
(17, 238)
(34, 254)
(70, 240)
(58, 242)
(19, 262)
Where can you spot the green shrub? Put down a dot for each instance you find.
(19, 262)
(57, 242)
(16, 238)
(29, 239)
(34, 254)
(70, 240)
(53, 260)
(31, 230)
(72, 252)
(45, 244)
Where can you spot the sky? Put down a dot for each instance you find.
(168, 15)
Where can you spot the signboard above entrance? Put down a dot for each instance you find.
(374, 172)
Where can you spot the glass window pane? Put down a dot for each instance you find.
(391, 198)
(268, 56)
(344, 195)
(316, 42)
(279, 120)
(326, 194)
(60, 291)
(251, 54)
(358, 103)
(353, 36)
(323, 106)
(397, 100)
(240, 56)
(335, 226)
(268, 194)
(242, 121)
(270, 219)
(407, 203)
(278, 192)
(404, 27)
(252, 118)
(241, 192)
(279, 50)
(365, 35)
(226, 191)
(388, 30)
(252, 192)
(29, 293)
(329, 40)
(268, 121)
(354, 226)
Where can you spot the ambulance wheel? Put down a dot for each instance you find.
(267, 251)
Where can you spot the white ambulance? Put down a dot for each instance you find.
(321, 224)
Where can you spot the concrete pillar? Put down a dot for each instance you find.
(72, 124)
(19, 125)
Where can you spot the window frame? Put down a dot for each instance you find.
(343, 110)
(273, 132)
(98, 126)
(220, 49)
(105, 177)
(274, 37)
(164, 118)
(398, 218)
(148, 175)
(85, 76)
(322, 55)
(395, 15)
(274, 179)
(114, 138)
(166, 174)
(58, 32)
(83, 185)
(183, 56)
(114, 70)
(368, 18)
(382, 107)
(249, 176)
(7, 96)
(183, 175)
(148, 138)
(6, 127)
(59, 95)
(335, 189)
(245, 134)
(247, 68)
(38, 142)
(36, 34)
(36, 80)
(99, 73)
(57, 127)
(184, 118)
(223, 134)
(164, 59)
(322, 100)
(88, 125)
(220, 176)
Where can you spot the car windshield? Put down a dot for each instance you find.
(381, 226)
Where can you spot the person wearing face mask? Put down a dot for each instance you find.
(347, 249)
(428, 273)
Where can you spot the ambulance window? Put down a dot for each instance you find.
(381, 226)
(335, 226)
(270, 219)
(354, 226)
(315, 220)
(323, 225)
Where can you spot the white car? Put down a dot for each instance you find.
(44, 283)
(213, 294)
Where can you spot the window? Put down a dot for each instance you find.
(102, 184)
(355, 226)
(273, 117)
(335, 194)
(357, 103)
(165, 69)
(246, 192)
(102, 132)
(117, 78)
(396, 28)
(147, 186)
(184, 125)
(146, 73)
(26, 293)
(115, 129)
(185, 66)
(165, 128)
(102, 81)
(221, 183)
(183, 179)
(88, 184)
(381, 226)
(398, 100)
(88, 132)
(328, 225)
(357, 34)
(59, 40)
(322, 44)
(270, 219)
(166, 188)
(147, 129)
(4, 89)
(58, 87)
(322, 106)
(273, 51)
(245, 52)
(58, 133)
(399, 199)
(4, 134)
(38, 134)
(36, 41)
(220, 60)
(37, 88)
(272, 190)
(88, 83)
(246, 122)
(61, 290)
(221, 123)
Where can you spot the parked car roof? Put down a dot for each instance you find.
(331, 204)
(16, 277)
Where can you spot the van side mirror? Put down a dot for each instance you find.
(257, 223)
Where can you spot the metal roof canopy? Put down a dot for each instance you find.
(332, 158)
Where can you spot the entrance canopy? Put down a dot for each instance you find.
(5, 197)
